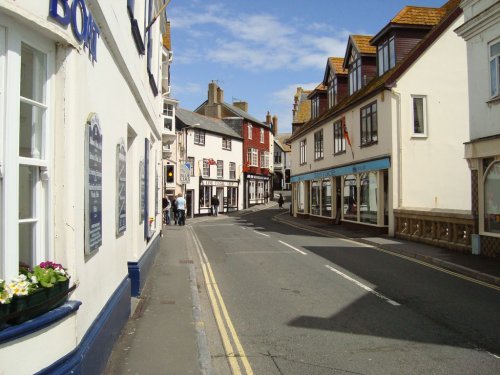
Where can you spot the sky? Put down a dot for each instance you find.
(260, 51)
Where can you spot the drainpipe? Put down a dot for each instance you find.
(399, 158)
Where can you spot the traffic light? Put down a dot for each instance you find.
(170, 174)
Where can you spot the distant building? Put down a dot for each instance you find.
(481, 31)
(301, 109)
(257, 143)
(282, 162)
(212, 153)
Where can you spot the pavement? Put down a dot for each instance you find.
(167, 330)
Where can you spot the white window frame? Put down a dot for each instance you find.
(261, 135)
(495, 61)
(253, 157)
(220, 168)
(226, 143)
(12, 37)
(199, 137)
(250, 130)
(232, 170)
(206, 168)
(424, 133)
(303, 152)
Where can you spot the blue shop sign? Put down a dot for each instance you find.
(83, 25)
(368, 166)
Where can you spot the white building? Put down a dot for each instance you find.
(481, 32)
(387, 154)
(282, 162)
(80, 168)
(211, 162)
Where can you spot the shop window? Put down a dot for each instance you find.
(232, 197)
(368, 207)
(350, 198)
(300, 197)
(492, 198)
(251, 190)
(260, 190)
(205, 197)
(326, 198)
(315, 197)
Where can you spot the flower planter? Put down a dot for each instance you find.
(43, 300)
(4, 311)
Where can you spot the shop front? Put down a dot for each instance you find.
(226, 191)
(354, 193)
(257, 189)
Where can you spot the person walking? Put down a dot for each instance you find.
(215, 205)
(174, 210)
(166, 210)
(281, 200)
(181, 209)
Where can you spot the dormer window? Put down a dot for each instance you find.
(386, 56)
(315, 107)
(354, 72)
(332, 90)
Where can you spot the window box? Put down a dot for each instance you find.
(24, 308)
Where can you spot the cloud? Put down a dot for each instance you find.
(255, 41)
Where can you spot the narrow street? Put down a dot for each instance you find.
(301, 303)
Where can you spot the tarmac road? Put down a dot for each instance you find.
(301, 303)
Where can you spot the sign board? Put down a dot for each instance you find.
(121, 186)
(185, 173)
(93, 184)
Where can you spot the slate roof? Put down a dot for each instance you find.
(241, 113)
(386, 81)
(210, 124)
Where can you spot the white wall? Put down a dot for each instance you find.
(434, 171)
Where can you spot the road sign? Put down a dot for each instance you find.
(185, 173)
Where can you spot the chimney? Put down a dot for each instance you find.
(241, 105)
(268, 118)
(275, 125)
(220, 95)
(212, 93)
(215, 98)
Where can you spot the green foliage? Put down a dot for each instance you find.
(47, 277)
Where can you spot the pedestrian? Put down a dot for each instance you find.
(166, 210)
(215, 205)
(181, 209)
(174, 209)
(281, 200)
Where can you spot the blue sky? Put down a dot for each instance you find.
(260, 51)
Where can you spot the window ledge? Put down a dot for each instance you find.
(369, 144)
(493, 100)
(37, 324)
(419, 136)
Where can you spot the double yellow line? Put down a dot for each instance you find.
(224, 324)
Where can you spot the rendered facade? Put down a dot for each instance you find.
(481, 31)
(365, 161)
(80, 168)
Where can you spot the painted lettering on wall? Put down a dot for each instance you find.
(82, 23)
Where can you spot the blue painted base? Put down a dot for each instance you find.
(138, 271)
(91, 356)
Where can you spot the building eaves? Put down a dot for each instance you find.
(209, 124)
(388, 80)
